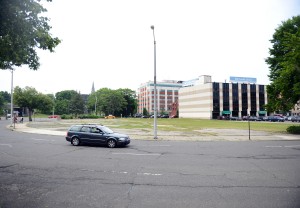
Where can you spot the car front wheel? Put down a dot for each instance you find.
(75, 141)
(111, 143)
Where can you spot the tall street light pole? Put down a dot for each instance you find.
(12, 116)
(155, 96)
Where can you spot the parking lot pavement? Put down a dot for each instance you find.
(205, 134)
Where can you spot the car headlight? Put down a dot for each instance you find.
(122, 139)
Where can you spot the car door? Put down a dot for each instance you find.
(97, 136)
(85, 134)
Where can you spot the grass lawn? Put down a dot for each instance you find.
(185, 124)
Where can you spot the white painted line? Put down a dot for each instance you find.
(87, 170)
(150, 174)
(274, 146)
(291, 146)
(124, 172)
(9, 145)
(162, 145)
(40, 139)
(47, 140)
(149, 154)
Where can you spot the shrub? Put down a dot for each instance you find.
(83, 116)
(88, 116)
(293, 129)
(64, 116)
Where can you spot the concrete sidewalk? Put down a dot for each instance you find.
(21, 127)
(202, 135)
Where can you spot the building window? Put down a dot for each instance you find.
(216, 100)
(244, 100)
(261, 92)
(226, 96)
(253, 98)
(235, 99)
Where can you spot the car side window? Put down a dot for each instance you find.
(85, 129)
(95, 130)
(75, 128)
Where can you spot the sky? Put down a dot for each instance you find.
(111, 42)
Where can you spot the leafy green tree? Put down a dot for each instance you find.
(1, 104)
(31, 99)
(284, 64)
(6, 96)
(46, 103)
(76, 105)
(115, 102)
(130, 97)
(23, 30)
(69, 102)
(62, 107)
(63, 101)
(145, 112)
(93, 103)
(108, 101)
(65, 95)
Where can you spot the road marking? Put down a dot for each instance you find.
(87, 170)
(40, 139)
(159, 145)
(125, 172)
(291, 146)
(137, 154)
(287, 146)
(9, 145)
(47, 140)
(150, 174)
(274, 146)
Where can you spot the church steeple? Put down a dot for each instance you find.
(93, 88)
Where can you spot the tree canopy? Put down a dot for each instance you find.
(69, 102)
(116, 102)
(284, 64)
(31, 99)
(22, 30)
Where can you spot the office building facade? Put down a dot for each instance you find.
(210, 100)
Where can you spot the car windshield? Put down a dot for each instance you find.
(106, 130)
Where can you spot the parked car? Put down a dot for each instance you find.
(275, 119)
(164, 116)
(295, 119)
(95, 134)
(254, 118)
(54, 116)
(137, 115)
(234, 118)
(110, 117)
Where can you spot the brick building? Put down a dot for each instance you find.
(167, 94)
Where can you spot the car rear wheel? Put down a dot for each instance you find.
(75, 141)
(111, 143)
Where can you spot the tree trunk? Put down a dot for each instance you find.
(30, 113)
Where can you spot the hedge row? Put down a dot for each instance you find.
(293, 129)
(80, 116)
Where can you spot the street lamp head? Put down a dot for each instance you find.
(152, 27)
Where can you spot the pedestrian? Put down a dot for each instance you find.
(21, 120)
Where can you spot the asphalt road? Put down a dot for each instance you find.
(46, 171)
